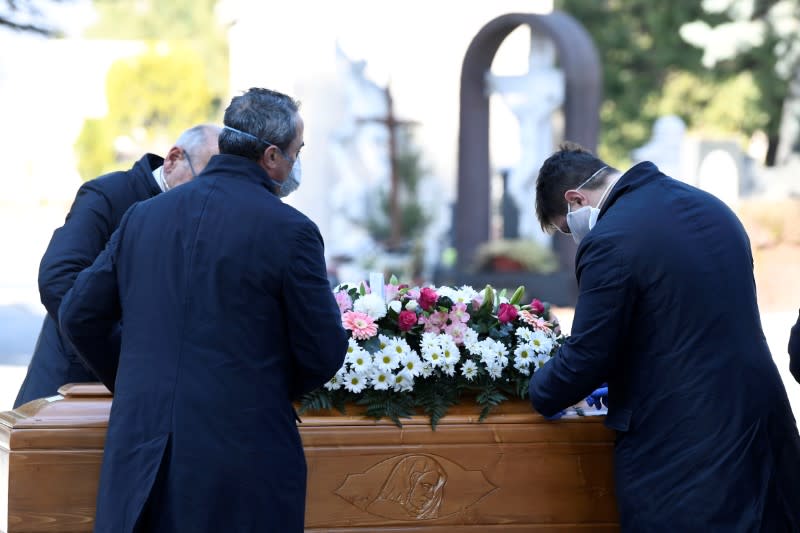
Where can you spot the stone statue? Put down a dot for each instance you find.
(664, 147)
(359, 156)
(532, 98)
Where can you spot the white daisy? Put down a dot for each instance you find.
(523, 355)
(524, 334)
(449, 369)
(355, 382)
(450, 352)
(411, 362)
(381, 379)
(403, 381)
(360, 361)
(541, 342)
(469, 369)
(539, 361)
(387, 359)
(335, 383)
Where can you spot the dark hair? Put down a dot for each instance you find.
(269, 115)
(566, 169)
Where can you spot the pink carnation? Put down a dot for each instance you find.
(537, 306)
(507, 313)
(361, 325)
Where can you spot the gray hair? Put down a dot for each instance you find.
(268, 115)
(197, 138)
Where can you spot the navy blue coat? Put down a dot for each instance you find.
(93, 217)
(228, 317)
(794, 350)
(667, 315)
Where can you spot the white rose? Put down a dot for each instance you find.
(395, 306)
(412, 305)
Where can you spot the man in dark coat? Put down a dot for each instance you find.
(228, 322)
(794, 350)
(93, 217)
(667, 316)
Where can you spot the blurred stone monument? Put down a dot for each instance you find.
(533, 98)
(665, 146)
(360, 160)
(579, 64)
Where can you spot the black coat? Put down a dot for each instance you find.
(667, 315)
(228, 316)
(794, 350)
(93, 217)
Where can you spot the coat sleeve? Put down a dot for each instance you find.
(602, 318)
(794, 350)
(74, 246)
(316, 336)
(90, 312)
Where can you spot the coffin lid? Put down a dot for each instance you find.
(77, 405)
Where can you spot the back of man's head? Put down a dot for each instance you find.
(268, 116)
(566, 169)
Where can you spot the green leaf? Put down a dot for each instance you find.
(393, 280)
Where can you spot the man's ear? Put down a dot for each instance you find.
(575, 197)
(269, 157)
(172, 158)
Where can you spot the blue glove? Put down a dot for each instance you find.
(556, 416)
(599, 398)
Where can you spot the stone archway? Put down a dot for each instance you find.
(578, 59)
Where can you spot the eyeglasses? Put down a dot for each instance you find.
(189, 160)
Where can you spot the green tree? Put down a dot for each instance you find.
(757, 36)
(180, 80)
(640, 49)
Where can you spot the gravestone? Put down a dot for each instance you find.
(579, 62)
(665, 146)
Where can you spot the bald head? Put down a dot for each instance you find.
(190, 154)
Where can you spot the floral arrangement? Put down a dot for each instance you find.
(425, 348)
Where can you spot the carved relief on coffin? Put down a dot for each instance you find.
(415, 487)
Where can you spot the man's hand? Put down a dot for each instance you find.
(599, 398)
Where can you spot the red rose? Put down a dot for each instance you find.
(507, 313)
(406, 320)
(427, 297)
(537, 306)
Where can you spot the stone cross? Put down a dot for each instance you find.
(392, 123)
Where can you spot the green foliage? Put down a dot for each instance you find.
(95, 145)
(649, 70)
(639, 48)
(153, 97)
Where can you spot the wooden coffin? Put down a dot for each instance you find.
(513, 472)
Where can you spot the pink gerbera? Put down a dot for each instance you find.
(360, 324)
(535, 321)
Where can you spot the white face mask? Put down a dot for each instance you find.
(292, 181)
(581, 221)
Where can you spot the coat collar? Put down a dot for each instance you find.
(235, 166)
(143, 171)
(636, 177)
